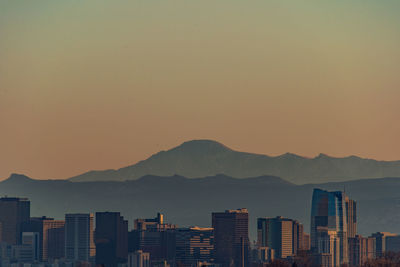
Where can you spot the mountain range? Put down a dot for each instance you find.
(201, 158)
(189, 202)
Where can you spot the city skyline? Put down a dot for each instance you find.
(99, 84)
(108, 241)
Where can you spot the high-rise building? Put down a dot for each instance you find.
(380, 241)
(13, 213)
(79, 242)
(351, 209)
(155, 237)
(194, 245)
(328, 243)
(231, 241)
(298, 237)
(329, 214)
(280, 234)
(393, 244)
(361, 249)
(139, 259)
(32, 239)
(51, 234)
(111, 238)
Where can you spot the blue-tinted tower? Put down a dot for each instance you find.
(329, 212)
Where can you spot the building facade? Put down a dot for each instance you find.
(277, 234)
(231, 237)
(79, 238)
(351, 215)
(111, 239)
(51, 234)
(14, 212)
(329, 215)
(139, 259)
(361, 249)
(194, 245)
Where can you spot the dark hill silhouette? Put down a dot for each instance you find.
(200, 158)
(190, 201)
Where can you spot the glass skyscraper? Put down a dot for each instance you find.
(328, 213)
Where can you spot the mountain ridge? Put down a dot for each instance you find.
(190, 201)
(201, 158)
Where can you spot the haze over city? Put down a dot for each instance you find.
(91, 85)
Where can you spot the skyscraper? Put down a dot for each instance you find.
(13, 213)
(194, 245)
(155, 237)
(283, 235)
(231, 241)
(329, 214)
(111, 239)
(276, 233)
(79, 242)
(380, 241)
(361, 249)
(32, 239)
(328, 244)
(351, 208)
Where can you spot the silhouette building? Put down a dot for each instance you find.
(79, 242)
(13, 213)
(111, 238)
(231, 241)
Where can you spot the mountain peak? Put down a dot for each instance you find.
(202, 145)
(15, 177)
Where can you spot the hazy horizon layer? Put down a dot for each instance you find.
(102, 84)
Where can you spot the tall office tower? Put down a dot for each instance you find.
(231, 237)
(283, 235)
(380, 241)
(298, 236)
(351, 212)
(194, 245)
(328, 243)
(155, 237)
(32, 240)
(361, 249)
(79, 243)
(51, 234)
(139, 259)
(329, 211)
(13, 213)
(111, 239)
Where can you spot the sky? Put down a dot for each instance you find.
(101, 84)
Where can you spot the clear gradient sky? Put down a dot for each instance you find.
(98, 84)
